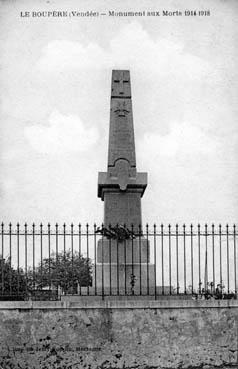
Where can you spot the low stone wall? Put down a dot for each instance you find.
(118, 334)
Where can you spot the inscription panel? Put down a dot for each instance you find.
(122, 208)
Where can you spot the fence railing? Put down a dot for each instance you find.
(46, 262)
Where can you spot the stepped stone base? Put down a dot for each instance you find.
(120, 276)
(122, 294)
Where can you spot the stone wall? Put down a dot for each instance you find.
(118, 334)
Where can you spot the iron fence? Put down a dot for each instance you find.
(46, 262)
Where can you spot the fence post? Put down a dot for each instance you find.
(26, 255)
(41, 253)
(95, 259)
(177, 261)
(205, 271)
(18, 257)
(125, 285)
(234, 234)
(184, 261)
(162, 256)
(110, 263)
(213, 257)
(74, 281)
(140, 233)
(10, 258)
(155, 263)
(102, 252)
(87, 254)
(57, 257)
(132, 261)
(191, 234)
(220, 244)
(2, 261)
(49, 280)
(80, 245)
(170, 282)
(228, 258)
(199, 259)
(33, 254)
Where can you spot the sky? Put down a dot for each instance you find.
(55, 102)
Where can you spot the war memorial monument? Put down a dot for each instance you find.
(121, 188)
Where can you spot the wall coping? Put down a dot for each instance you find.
(117, 304)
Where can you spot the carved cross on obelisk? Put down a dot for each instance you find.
(121, 187)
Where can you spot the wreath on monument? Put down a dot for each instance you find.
(119, 232)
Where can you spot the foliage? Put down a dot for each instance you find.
(12, 281)
(211, 292)
(66, 270)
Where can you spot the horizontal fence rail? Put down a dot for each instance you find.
(45, 262)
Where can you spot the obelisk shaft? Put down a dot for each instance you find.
(121, 187)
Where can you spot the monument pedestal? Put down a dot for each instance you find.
(123, 252)
(120, 276)
(124, 264)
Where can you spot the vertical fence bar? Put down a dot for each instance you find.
(74, 276)
(102, 252)
(191, 235)
(10, 258)
(49, 266)
(147, 258)
(234, 234)
(125, 286)
(206, 271)
(199, 258)
(33, 256)
(80, 251)
(64, 239)
(18, 258)
(177, 262)
(26, 256)
(132, 260)
(95, 259)
(162, 255)
(184, 261)
(87, 245)
(213, 258)
(2, 260)
(58, 283)
(140, 232)
(155, 263)
(170, 282)
(228, 258)
(110, 264)
(118, 286)
(220, 244)
(64, 247)
(41, 255)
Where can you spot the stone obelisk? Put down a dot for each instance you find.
(121, 189)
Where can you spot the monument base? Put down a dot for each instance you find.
(122, 294)
(124, 276)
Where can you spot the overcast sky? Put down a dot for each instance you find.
(55, 99)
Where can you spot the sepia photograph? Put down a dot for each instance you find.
(118, 184)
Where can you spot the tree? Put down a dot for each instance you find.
(66, 270)
(12, 281)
